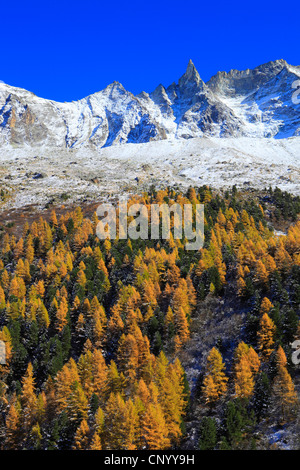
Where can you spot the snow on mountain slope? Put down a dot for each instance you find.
(39, 175)
(262, 98)
(273, 100)
(244, 82)
(111, 116)
(255, 103)
(113, 141)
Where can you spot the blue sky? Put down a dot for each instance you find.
(65, 50)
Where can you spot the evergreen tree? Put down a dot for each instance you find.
(208, 434)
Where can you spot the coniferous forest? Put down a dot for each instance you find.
(140, 344)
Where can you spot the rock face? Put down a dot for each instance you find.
(243, 82)
(252, 103)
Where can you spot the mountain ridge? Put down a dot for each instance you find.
(253, 102)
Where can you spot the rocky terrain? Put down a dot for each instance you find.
(42, 176)
(241, 127)
(255, 103)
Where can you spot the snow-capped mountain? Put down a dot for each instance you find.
(249, 103)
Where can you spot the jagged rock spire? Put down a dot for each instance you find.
(191, 76)
(190, 84)
(191, 70)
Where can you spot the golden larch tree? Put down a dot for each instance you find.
(215, 380)
(265, 336)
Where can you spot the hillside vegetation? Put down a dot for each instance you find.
(119, 344)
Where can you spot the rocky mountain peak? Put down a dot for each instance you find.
(115, 87)
(252, 102)
(159, 95)
(190, 77)
(191, 70)
(242, 82)
(190, 86)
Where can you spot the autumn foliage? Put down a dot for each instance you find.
(97, 332)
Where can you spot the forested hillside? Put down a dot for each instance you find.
(99, 335)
